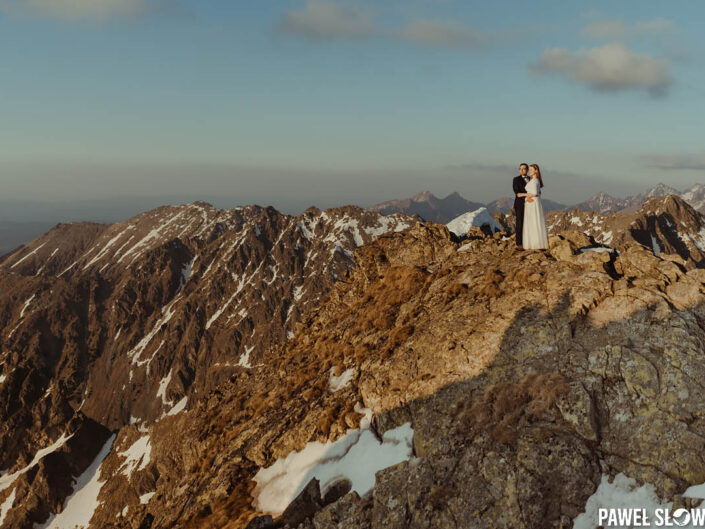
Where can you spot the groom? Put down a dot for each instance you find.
(519, 186)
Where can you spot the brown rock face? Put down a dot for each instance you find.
(665, 224)
(195, 346)
(130, 322)
(525, 377)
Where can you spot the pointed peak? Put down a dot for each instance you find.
(424, 196)
(312, 210)
(661, 189)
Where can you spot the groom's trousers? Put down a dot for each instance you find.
(519, 215)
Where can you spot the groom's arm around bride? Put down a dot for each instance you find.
(519, 187)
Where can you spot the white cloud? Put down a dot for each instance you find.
(617, 30)
(326, 20)
(611, 67)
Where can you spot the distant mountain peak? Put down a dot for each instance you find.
(428, 206)
(424, 196)
(661, 189)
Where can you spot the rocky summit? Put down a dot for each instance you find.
(665, 224)
(194, 367)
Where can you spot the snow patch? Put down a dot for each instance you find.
(136, 456)
(29, 254)
(356, 456)
(384, 225)
(137, 350)
(146, 497)
(461, 225)
(306, 230)
(245, 357)
(7, 479)
(68, 268)
(7, 505)
(655, 245)
(178, 407)
(623, 492)
(104, 250)
(163, 385)
(186, 273)
(26, 304)
(240, 286)
(83, 501)
(699, 239)
(339, 382)
(598, 249)
(298, 292)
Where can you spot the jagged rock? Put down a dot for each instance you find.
(663, 224)
(261, 522)
(577, 238)
(561, 249)
(348, 511)
(304, 506)
(338, 489)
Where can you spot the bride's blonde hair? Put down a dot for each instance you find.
(538, 171)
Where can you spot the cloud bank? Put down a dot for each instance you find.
(609, 68)
(672, 162)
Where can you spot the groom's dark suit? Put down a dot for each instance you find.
(519, 186)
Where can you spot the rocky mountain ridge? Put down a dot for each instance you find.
(523, 378)
(665, 224)
(103, 327)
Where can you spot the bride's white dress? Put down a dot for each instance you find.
(534, 235)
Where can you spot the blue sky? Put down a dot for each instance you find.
(330, 102)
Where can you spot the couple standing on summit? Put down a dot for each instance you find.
(531, 233)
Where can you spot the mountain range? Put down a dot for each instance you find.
(443, 210)
(428, 206)
(207, 368)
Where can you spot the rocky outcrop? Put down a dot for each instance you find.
(665, 224)
(526, 378)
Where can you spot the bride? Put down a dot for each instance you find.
(534, 234)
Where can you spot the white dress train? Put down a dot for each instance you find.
(534, 234)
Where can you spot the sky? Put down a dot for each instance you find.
(329, 102)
